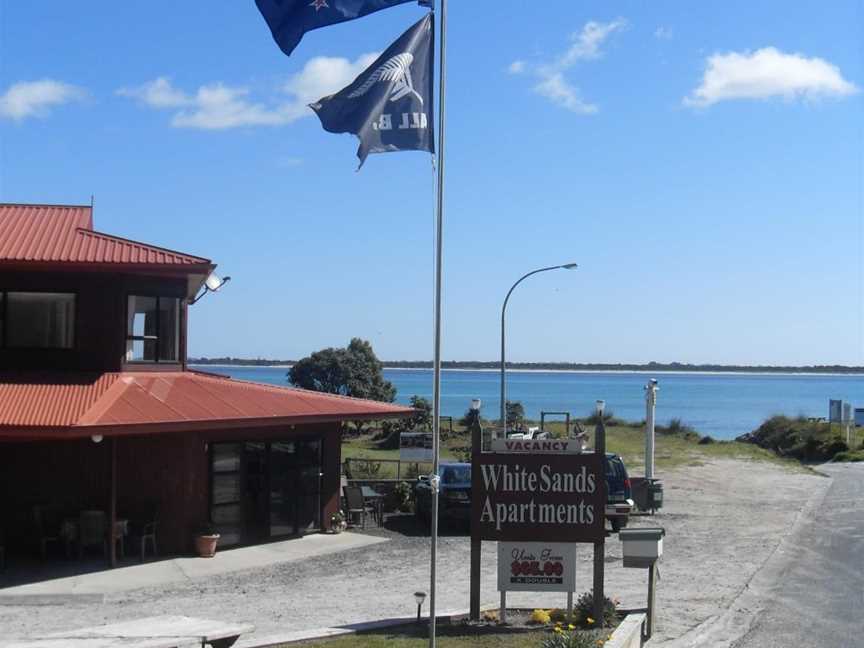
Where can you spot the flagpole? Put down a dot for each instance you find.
(436, 362)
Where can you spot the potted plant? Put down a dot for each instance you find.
(338, 523)
(206, 539)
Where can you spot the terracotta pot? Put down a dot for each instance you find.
(205, 545)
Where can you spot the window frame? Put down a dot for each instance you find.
(4, 318)
(154, 338)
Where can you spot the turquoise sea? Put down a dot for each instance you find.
(722, 405)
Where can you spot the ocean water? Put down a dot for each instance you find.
(722, 405)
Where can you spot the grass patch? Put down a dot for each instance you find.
(675, 446)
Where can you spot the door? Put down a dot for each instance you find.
(261, 490)
(308, 486)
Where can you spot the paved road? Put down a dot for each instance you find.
(819, 600)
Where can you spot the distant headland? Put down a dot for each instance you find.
(562, 366)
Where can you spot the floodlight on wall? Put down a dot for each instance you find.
(96, 438)
(211, 284)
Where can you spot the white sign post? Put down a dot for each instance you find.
(536, 567)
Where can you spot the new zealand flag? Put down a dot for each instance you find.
(389, 106)
(290, 19)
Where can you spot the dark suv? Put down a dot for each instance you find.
(454, 501)
(619, 498)
(454, 493)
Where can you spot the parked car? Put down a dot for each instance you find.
(619, 497)
(454, 493)
(454, 500)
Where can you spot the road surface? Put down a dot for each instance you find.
(819, 598)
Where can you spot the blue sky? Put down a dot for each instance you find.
(702, 162)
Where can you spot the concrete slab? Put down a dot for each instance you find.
(111, 581)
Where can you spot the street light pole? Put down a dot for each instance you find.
(566, 266)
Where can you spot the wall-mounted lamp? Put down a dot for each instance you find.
(475, 405)
(601, 406)
(419, 597)
(96, 438)
(211, 284)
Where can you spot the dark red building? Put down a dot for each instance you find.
(98, 410)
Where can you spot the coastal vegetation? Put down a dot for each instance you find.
(560, 366)
(676, 445)
(807, 440)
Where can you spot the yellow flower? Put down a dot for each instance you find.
(558, 629)
(589, 620)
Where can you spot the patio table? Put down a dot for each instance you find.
(376, 501)
(152, 632)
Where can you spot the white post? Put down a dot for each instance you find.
(650, 403)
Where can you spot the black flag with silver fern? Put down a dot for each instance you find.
(389, 105)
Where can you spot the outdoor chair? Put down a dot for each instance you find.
(357, 505)
(92, 532)
(144, 528)
(47, 530)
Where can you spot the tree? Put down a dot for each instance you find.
(352, 371)
(515, 415)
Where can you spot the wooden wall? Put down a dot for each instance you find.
(168, 471)
(100, 317)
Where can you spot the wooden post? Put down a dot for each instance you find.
(600, 547)
(476, 543)
(112, 504)
(502, 614)
(652, 583)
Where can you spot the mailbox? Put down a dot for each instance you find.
(642, 547)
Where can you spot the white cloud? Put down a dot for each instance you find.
(586, 45)
(322, 76)
(516, 67)
(555, 88)
(663, 33)
(158, 93)
(35, 98)
(217, 106)
(767, 73)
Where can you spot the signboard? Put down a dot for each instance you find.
(835, 408)
(536, 567)
(859, 417)
(539, 497)
(535, 446)
(415, 446)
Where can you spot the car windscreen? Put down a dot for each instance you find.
(456, 475)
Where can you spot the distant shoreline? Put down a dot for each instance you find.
(539, 367)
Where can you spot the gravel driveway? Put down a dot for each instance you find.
(723, 520)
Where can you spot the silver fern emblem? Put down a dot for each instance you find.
(396, 70)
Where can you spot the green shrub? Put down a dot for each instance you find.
(706, 440)
(797, 438)
(849, 455)
(584, 610)
(401, 497)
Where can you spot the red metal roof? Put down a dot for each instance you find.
(64, 234)
(39, 405)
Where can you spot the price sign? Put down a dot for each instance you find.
(536, 566)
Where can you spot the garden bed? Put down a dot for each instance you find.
(521, 630)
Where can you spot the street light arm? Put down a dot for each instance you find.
(568, 266)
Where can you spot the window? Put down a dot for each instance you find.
(37, 320)
(153, 329)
